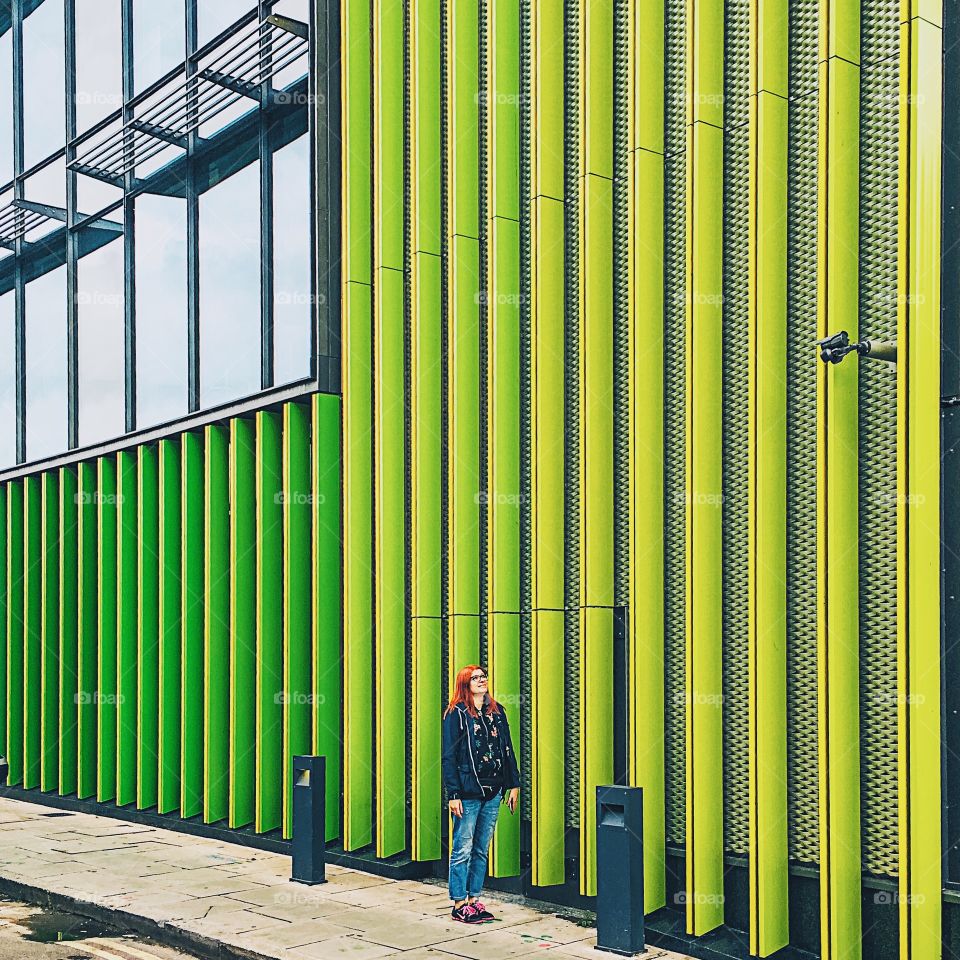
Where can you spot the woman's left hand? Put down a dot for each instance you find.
(512, 798)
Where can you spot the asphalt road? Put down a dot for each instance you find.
(30, 933)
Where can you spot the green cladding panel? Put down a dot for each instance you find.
(128, 588)
(67, 629)
(243, 621)
(390, 573)
(357, 568)
(148, 624)
(390, 562)
(32, 626)
(296, 495)
(327, 598)
(87, 628)
(269, 587)
(192, 624)
(358, 196)
(50, 632)
(169, 600)
(919, 696)
(216, 625)
(14, 631)
(837, 496)
(106, 692)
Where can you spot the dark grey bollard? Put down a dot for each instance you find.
(309, 819)
(4, 770)
(620, 869)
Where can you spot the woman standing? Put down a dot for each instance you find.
(479, 772)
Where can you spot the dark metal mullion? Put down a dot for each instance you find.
(73, 372)
(324, 113)
(312, 46)
(266, 228)
(193, 227)
(129, 233)
(20, 359)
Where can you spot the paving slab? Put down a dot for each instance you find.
(235, 901)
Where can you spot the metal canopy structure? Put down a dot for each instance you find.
(169, 117)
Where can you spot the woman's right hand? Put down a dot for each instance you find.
(456, 808)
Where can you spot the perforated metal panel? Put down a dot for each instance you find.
(674, 428)
(803, 809)
(736, 691)
(526, 602)
(879, 131)
(571, 78)
(621, 384)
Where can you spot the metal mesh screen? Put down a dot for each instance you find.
(526, 677)
(879, 131)
(674, 427)
(803, 810)
(621, 383)
(736, 170)
(735, 493)
(571, 76)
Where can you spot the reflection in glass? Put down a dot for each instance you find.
(158, 39)
(99, 71)
(291, 261)
(46, 364)
(6, 107)
(44, 95)
(161, 308)
(214, 16)
(100, 343)
(8, 383)
(230, 288)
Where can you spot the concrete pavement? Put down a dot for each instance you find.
(225, 900)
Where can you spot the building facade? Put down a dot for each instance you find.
(347, 342)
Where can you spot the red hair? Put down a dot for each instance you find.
(462, 694)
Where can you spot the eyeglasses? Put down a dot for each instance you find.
(478, 676)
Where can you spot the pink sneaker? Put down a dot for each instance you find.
(466, 914)
(482, 913)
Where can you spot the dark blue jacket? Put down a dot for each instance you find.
(460, 751)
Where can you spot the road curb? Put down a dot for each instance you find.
(164, 932)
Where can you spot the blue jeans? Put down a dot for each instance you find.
(471, 841)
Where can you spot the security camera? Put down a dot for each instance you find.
(835, 347)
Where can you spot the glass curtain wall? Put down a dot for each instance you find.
(142, 237)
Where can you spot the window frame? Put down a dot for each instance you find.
(323, 131)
